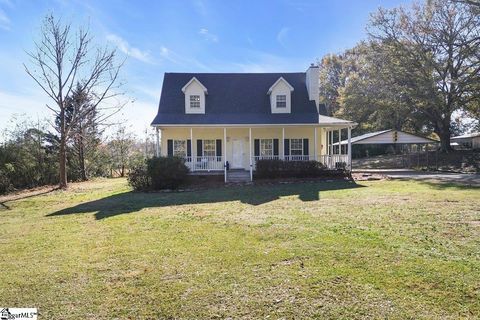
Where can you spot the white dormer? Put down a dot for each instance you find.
(195, 93)
(281, 96)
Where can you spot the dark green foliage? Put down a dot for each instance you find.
(167, 172)
(28, 157)
(5, 184)
(139, 179)
(159, 173)
(271, 169)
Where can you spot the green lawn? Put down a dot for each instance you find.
(377, 249)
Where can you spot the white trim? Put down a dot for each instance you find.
(349, 138)
(276, 82)
(290, 147)
(203, 147)
(225, 153)
(191, 80)
(188, 125)
(250, 152)
(260, 147)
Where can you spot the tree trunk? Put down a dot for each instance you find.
(443, 131)
(81, 156)
(63, 152)
(63, 164)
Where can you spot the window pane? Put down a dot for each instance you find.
(281, 101)
(209, 148)
(266, 147)
(296, 147)
(179, 148)
(194, 101)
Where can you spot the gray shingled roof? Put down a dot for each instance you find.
(235, 98)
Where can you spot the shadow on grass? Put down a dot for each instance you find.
(24, 195)
(129, 202)
(443, 185)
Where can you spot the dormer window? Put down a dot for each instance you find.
(281, 96)
(281, 101)
(194, 101)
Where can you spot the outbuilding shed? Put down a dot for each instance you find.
(380, 141)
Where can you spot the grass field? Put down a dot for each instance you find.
(376, 249)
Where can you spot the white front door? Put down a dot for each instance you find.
(237, 154)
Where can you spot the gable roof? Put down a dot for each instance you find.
(235, 98)
(466, 136)
(376, 138)
(194, 80)
(276, 82)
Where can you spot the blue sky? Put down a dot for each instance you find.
(177, 36)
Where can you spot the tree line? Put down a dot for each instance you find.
(29, 153)
(416, 71)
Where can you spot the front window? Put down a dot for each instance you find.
(179, 148)
(296, 147)
(281, 101)
(266, 147)
(209, 148)
(194, 101)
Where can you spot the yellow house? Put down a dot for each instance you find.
(224, 122)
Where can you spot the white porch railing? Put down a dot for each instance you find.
(204, 163)
(335, 161)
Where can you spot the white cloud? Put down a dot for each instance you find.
(282, 36)
(207, 35)
(126, 48)
(4, 20)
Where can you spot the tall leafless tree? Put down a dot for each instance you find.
(61, 59)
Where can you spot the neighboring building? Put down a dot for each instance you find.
(379, 142)
(469, 140)
(220, 120)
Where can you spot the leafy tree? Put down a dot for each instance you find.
(433, 54)
(85, 134)
(27, 156)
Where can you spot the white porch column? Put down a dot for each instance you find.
(350, 148)
(250, 152)
(192, 166)
(331, 142)
(225, 153)
(339, 141)
(315, 143)
(157, 145)
(283, 143)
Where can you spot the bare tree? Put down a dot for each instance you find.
(59, 61)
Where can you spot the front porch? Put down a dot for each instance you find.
(216, 150)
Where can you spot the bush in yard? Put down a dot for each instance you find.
(167, 172)
(5, 184)
(138, 178)
(271, 169)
